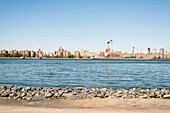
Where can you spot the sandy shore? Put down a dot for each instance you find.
(97, 105)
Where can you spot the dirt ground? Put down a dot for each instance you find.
(97, 105)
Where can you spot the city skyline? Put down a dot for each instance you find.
(108, 53)
(133, 50)
(84, 24)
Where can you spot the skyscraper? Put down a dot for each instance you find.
(149, 50)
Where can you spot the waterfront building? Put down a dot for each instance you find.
(59, 53)
(55, 53)
(154, 51)
(39, 53)
(4, 51)
(84, 53)
(11, 52)
(60, 50)
(139, 50)
(15, 52)
(76, 54)
(66, 54)
(102, 53)
(32, 53)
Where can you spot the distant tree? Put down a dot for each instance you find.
(70, 56)
(25, 55)
(4, 55)
(10, 55)
(34, 55)
(60, 56)
(80, 56)
(133, 56)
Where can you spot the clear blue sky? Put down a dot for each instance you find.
(88, 24)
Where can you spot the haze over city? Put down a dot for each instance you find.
(33, 24)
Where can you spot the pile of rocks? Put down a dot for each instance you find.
(28, 93)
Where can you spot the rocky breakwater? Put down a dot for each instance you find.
(28, 93)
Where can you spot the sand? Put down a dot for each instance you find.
(97, 105)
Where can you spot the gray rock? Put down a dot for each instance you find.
(119, 92)
(48, 95)
(4, 94)
(27, 88)
(144, 96)
(78, 88)
(37, 94)
(104, 89)
(28, 98)
(166, 96)
(23, 94)
(16, 97)
(56, 94)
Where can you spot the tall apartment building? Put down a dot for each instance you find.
(76, 54)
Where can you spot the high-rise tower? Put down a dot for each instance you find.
(108, 45)
(111, 49)
(149, 50)
(133, 51)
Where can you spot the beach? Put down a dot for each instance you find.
(97, 105)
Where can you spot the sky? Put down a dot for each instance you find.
(88, 24)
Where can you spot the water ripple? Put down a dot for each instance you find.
(85, 73)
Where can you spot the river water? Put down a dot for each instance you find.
(73, 73)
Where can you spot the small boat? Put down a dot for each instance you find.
(21, 57)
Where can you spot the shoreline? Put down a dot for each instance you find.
(104, 100)
(78, 58)
(79, 93)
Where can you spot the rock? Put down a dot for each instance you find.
(166, 96)
(29, 93)
(144, 96)
(5, 94)
(23, 95)
(37, 94)
(16, 97)
(56, 94)
(9, 87)
(119, 92)
(125, 96)
(56, 89)
(28, 98)
(104, 89)
(27, 88)
(66, 88)
(18, 88)
(78, 88)
(134, 89)
(48, 95)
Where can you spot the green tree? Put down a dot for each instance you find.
(80, 56)
(34, 55)
(70, 56)
(60, 56)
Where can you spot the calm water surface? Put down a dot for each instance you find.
(85, 73)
